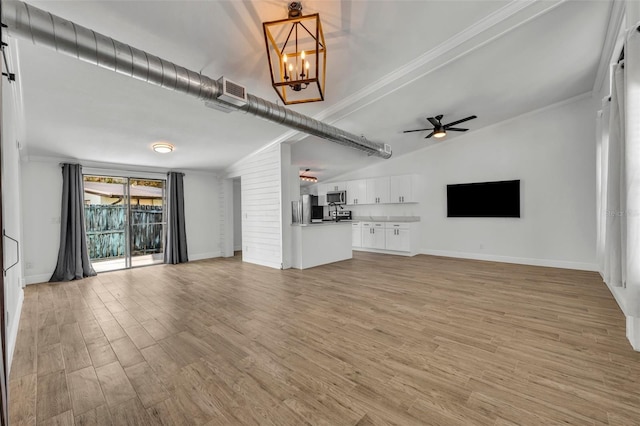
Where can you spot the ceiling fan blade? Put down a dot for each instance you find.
(434, 121)
(447, 126)
(457, 129)
(429, 135)
(417, 130)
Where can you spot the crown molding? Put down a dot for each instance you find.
(616, 19)
(132, 169)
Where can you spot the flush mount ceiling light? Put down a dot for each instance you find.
(162, 147)
(305, 178)
(297, 56)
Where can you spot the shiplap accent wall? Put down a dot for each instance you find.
(261, 192)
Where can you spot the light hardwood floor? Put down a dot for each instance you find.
(374, 340)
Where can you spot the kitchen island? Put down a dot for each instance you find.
(317, 244)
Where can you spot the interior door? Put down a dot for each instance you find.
(3, 366)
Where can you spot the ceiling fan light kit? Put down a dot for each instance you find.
(439, 130)
(297, 56)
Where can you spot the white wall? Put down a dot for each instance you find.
(41, 204)
(202, 221)
(11, 215)
(552, 152)
(41, 198)
(261, 206)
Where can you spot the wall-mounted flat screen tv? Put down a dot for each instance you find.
(484, 199)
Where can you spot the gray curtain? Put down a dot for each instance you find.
(175, 249)
(73, 256)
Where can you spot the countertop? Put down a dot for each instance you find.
(327, 223)
(386, 219)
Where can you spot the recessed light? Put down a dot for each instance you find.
(163, 148)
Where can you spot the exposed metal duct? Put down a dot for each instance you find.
(44, 29)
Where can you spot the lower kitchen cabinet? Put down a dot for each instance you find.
(397, 237)
(387, 237)
(373, 235)
(356, 234)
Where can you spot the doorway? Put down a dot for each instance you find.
(125, 221)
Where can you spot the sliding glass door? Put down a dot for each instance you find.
(125, 220)
(147, 218)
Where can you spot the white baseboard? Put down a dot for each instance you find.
(395, 253)
(37, 279)
(619, 295)
(201, 256)
(13, 332)
(564, 264)
(633, 332)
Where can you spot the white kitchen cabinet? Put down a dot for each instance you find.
(336, 186)
(397, 237)
(373, 234)
(323, 188)
(322, 194)
(356, 234)
(401, 189)
(356, 191)
(377, 190)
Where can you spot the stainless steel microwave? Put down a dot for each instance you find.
(337, 197)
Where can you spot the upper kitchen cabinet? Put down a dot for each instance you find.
(322, 194)
(378, 191)
(356, 192)
(336, 186)
(402, 189)
(323, 188)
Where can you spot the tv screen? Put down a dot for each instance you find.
(484, 199)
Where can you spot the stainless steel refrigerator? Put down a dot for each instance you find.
(303, 210)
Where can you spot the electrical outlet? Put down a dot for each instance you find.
(55, 220)
(28, 265)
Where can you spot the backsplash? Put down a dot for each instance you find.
(367, 210)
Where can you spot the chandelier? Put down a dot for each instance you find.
(297, 56)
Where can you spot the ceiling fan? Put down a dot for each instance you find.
(439, 130)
